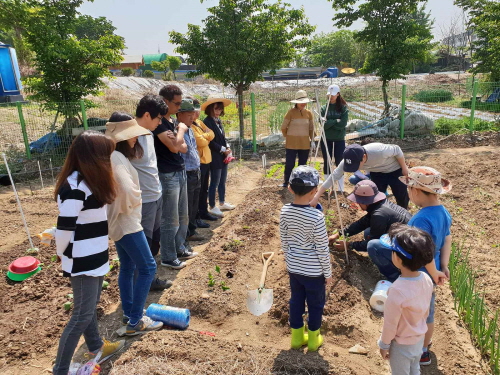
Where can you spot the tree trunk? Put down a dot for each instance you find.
(239, 92)
(386, 98)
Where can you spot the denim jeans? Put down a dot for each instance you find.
(312, 290)
(399, 190)
(337, 147)
(381, 256)
(291, 156)
(193, 192)
(86, 295)
(218, 179)
(133, 251)
(175, 217)
(151, 221)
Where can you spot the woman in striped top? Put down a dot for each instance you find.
(125, 215)
(84, 187)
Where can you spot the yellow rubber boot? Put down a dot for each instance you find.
(299, 338)
(315, 340)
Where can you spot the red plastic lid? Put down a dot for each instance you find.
(24, 265)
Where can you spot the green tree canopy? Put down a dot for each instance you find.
(173, 63)
(161, 66)
(69, 68)
(241, 39)
(87, 27)
(336, 48)
(484, 21)
(396, 37)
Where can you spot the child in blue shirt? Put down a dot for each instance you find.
(424, 187)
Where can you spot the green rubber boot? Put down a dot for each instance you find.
(299, 338)
(315, 340)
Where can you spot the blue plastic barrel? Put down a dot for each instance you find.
(170, 316)
(334, 72)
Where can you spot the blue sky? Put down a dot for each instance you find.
(145, 23)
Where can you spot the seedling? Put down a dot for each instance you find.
(32, 251)
(53, 258)
(232, 245)
(245, 227)
(223, 286)
(211, 280)
(114, 263)
(69, 304)
(217, 269)
(105, 284)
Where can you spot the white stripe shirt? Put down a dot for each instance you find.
(304, 241)
(82, 230)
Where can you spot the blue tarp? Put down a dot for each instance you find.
(48, 142)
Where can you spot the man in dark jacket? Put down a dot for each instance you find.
(381, 214)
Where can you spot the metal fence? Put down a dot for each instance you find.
(33, 133)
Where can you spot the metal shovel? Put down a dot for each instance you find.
(260, 300)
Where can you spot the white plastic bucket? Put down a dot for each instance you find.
(379, 296)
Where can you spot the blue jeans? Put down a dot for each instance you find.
(134, 253)
(86, 295)
(312, 290)
(399, 190)
(218, 179)
(175, 217)
(381, 256)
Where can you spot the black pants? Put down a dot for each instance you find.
(338, 153)
(291, 156)
(205, 177)
(399, 190)
(193, 190)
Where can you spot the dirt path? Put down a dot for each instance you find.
(32, 316)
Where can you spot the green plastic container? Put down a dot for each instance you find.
(22, 276)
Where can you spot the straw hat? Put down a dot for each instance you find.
(123, 130)
(301, 97)
(427, 179)
(215, 99)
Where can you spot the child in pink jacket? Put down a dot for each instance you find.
(407, 305)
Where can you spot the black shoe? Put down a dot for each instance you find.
(208, 216)
(174, 264)
(159, 284)
(201, 224)
(187, 255)
(196, 237)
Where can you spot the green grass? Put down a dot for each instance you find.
(446, 126)
(433, 96)
(482, 106)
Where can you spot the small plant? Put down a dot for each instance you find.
(275, 169)
(223, 286)
(245, 227)
(433, 96)
(212, 281)
(68, 304)
(127, 72)
(232, 245)
(105, 284)
(148, 74)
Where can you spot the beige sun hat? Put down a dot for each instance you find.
(301, 97)
(215, 99)
(123, 130)
(427, 179)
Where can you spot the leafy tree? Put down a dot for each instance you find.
(69, 68)
(148, 74)
(241, 39)
(484, 21)
(173, 63)
(12, 24)
(394, 35)
(335, 48)
(87, 27)
(161, 66)
(127, 72)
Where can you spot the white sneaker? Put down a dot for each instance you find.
(227, 207)
(215, 211)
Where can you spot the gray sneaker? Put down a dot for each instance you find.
(174, 264)
(159, 284)
(146, 324)
(187, 255)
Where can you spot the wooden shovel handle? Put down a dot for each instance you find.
(266, 258)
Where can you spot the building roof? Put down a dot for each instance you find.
(154, 57)
(132, 59)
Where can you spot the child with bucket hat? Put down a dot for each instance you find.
(124, 217)
(298, 130)
(380, 215)
(407, 304)
(424, 184)
(84, 188)
(305, 244)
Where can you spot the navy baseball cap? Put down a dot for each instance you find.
(353, 155)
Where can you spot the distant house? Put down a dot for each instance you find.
(129, 61)
(148, 59)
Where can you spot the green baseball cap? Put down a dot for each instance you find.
(187, 105)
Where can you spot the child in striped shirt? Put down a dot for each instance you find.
(84, 188)
(305, 243)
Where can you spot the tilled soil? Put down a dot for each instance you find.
(33, 317)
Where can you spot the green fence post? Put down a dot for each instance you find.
(84, 115)
(23, 129)
(403, 107)
(254, 126)
(473, 106)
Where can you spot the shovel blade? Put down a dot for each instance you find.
(259, 301)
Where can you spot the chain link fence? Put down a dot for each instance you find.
(33, 133)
